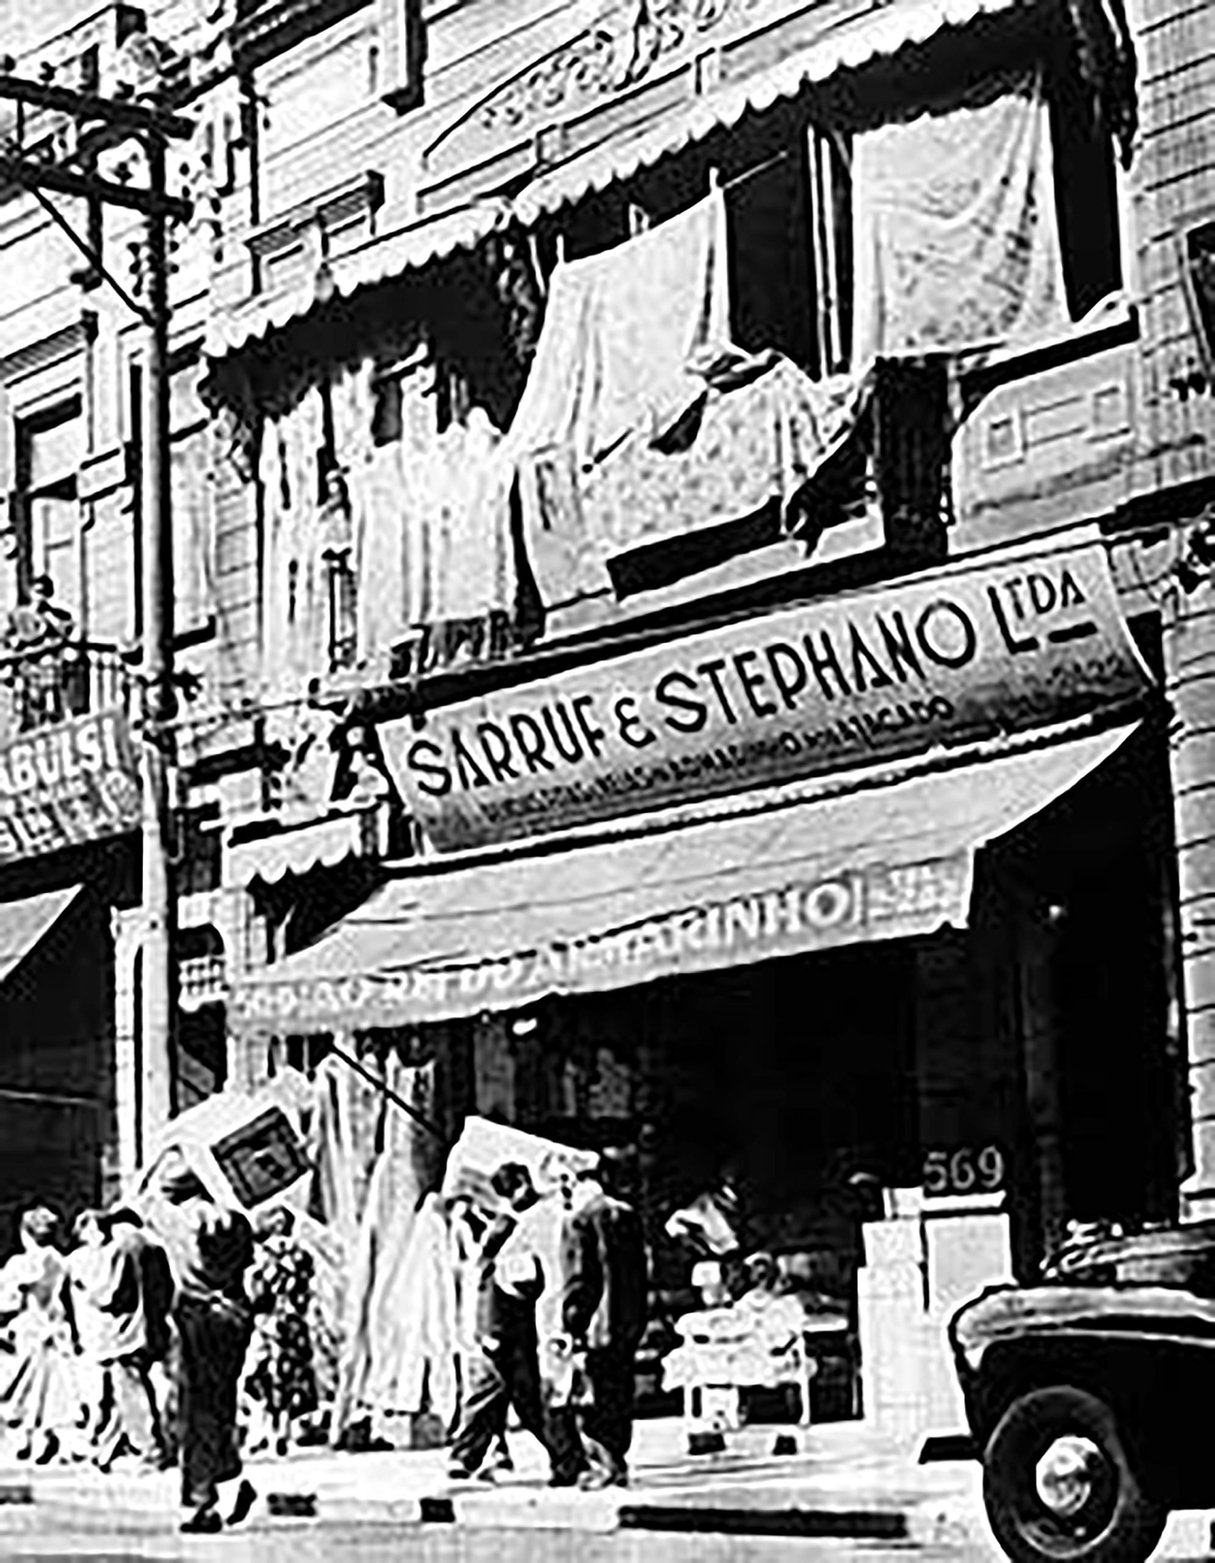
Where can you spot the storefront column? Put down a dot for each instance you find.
(248, 943)
(1189, 655)
(127, 928)
(1039, 1027)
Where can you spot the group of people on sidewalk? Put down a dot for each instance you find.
(132, 1350)
(553, 1303)
(149, 1341)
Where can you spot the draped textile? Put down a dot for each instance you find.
(641, 424)
(406, 1165)
(746, 444)
(429, 550)
(378, 494)
(296, 590)
(472, 564)
(955, 237)
(419, 1312)
(191, 463)
(619, 331)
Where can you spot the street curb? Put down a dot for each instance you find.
(821, 1524)
(931, 1525)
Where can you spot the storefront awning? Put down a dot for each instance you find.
(846, 42)
(320, 843)
(25, 923)
(879, 862)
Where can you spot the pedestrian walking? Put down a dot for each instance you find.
(110, 1307)
(87, 1276)
(39, 1397)
(529, 1270)
(505, 1370)
(604, 1285)
(280, 1380)
(209, 1248)
(138, 1305)
(475, 1240)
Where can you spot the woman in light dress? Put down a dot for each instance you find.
(39, 1396)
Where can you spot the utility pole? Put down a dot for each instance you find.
(158, 965)
(109, 121)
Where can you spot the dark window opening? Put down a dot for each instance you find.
(1086, 190)
(386, 413)
(1200, 282)
(770, 282)
(48, 450)
(199, 850)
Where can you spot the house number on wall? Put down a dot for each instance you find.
(967, 1170)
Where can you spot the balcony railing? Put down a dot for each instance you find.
(58, 682)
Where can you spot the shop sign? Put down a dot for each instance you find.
(847, 907)
(76, 781)
(978, 649)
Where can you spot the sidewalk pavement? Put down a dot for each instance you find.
(844, 1481)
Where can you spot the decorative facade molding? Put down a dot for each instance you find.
(637, 41)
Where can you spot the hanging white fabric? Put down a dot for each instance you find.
(955, 237)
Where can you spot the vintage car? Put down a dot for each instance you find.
(1090, 1394)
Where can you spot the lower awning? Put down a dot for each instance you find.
(886, 862)
(25, 923)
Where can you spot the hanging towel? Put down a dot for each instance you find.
(955, 237)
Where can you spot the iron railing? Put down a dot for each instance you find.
(55, 683)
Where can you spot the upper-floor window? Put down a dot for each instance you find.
(304, 93)
(49, 447)
(790, 183)
(1086, 190)
(193, 506)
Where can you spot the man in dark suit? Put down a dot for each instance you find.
(604, 1271)
(209, 1249)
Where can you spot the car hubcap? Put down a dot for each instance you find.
(1068, 1475)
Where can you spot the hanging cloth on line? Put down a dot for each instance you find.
(955, 236)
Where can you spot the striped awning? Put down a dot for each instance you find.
(390, 255)
(877, 31)
(847, 44)
(315, 843)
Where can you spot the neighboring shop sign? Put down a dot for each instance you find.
(847, 907)
(985, 647)
(76, 781)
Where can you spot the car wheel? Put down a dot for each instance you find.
(1060, 1488)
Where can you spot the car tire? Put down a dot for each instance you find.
(1117, 1522)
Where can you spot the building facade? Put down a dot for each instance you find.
(691, 528)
